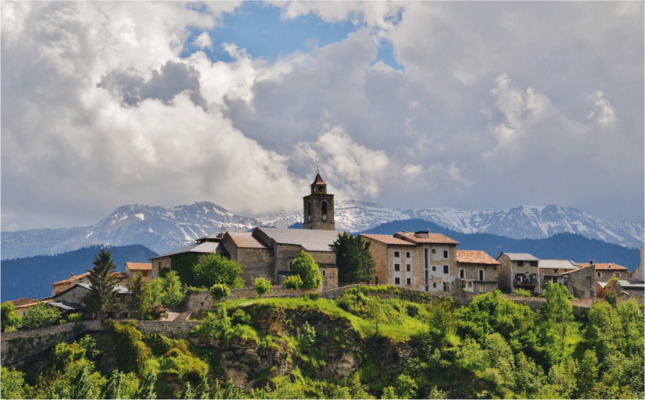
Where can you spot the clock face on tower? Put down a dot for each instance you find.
(324, 218)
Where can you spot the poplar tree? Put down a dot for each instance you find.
(354, 259)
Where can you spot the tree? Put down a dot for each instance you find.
(101, 296)
(12, 384)
(354, 259)
(293, 282)
(41, 315)
(147, 386)
(112, 389)
(261, 286)
(219, 291)
(167, 290)
(139, 297)
(305, 266)
(215, 268)
(9, 317)
(81, 385)
(558, 308)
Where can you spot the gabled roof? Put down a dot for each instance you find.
(132, 266)
(199, 248)
(430, 238)
(557, 264)
(521, 257)
(475, 257)
(245, 240)
(605, 267)
(27, 302)
(387, 239)
(87, 286)
(72, 279)
(308, 239)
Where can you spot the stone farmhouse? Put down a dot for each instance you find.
(421, 261)
(269, 252)
(477, 270)
(518, 271)
(552, 271)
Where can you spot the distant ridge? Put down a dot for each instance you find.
(567, 246)
(163, 229)
(31, 277)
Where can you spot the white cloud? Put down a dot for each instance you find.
(203, 41)
(603, 113)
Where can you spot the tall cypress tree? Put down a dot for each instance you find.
(101, 297)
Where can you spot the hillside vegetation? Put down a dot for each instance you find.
(372, 342)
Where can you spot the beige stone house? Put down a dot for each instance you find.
(552, 271)
(206, 245)
(420, 261)
(144, 270)
(65, 284)
(581, 282)
(606, 271)
(518, 271)
(477, 270)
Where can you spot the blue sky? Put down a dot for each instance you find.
(473, 105)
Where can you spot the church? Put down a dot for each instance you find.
(268, 252)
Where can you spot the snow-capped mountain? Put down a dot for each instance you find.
(162, 229)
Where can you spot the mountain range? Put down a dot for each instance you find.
(164, 229)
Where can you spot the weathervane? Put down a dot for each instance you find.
(317, 166)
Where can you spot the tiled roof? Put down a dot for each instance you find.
(118, 288)
(475, 257)
(432, 238)
(387, 239)
(578, 269)
(308, 239)
(318, 180)
(605, 267)
(27, 302)
(71, 279)
(557, 264)
(132, 266)
(521, 257)
(201, 248)
(245, 240)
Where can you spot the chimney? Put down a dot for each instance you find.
(590, 262)
(71, 275)
(421, 234)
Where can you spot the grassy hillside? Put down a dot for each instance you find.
(370, 343)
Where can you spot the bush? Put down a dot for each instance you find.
(215, 268)
(293, 282)
(9, 318)
(261, 286)
(157, 311)
(305, 266)
(41, 315)
(219, 291)
(75, 317)
(522, 292)
(239, 317)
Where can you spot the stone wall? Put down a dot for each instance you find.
(20, 344)
(196, 301)
(168, 328)
(582, 282)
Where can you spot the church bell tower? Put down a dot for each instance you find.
(319, 207)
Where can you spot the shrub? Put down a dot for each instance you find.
(522, 292)
(219, 291)
(305, 266)
(261, 286)
(41, 315)
(75, 317)
(293, 282)
(157, 311)
(215, 268)
(9, 318)
(239, 317)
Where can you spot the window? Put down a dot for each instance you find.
(425, 276)
(397, 267)
(445, 254)
(461, 274)
(434, 285)
(598, 274)
(397, 254)
(397, 281)
(446, 269)
(425, 257)
(434, 268)
(408, 267)
(408, 281)
(376, 280)
(533, 263)
(323, 272)
(324, 210)
(434, 251)
(617, 274)
(481, 274)
(407, 254)
(309, 210)
(520, 263)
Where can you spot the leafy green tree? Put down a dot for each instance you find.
(167, 290)
(147, 386)
(201, 391)
(216, 268)
(293, 282)
(102, 297)
(219, 291)
(112, 389)
(558, 309)
(354, 259)
(186, 392)
(12, 384)
(80, 387)
(9, 317)
(261, 286)
(138, 297)
(41, 315)
(305, 266)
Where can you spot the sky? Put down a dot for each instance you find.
(473, 105)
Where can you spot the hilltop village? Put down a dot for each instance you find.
(420, 261)
(276, 313)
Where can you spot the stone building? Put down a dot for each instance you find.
(65, 284)
(552, 270)
(581, 282)
(268, 252)
(518, 271)
(144, 270)
(421, 261)
(606, 271)
(477, 270)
